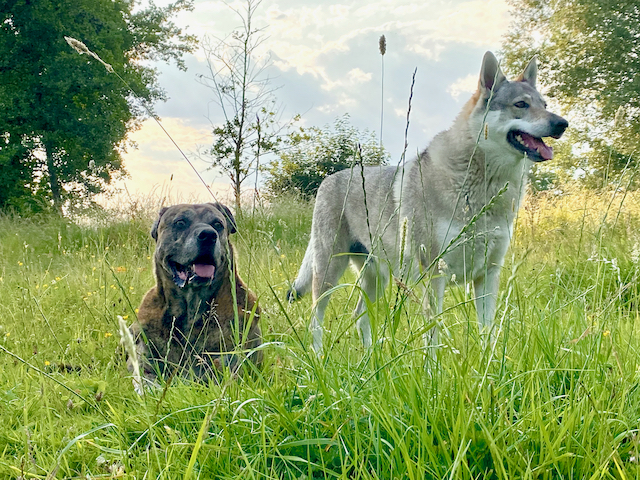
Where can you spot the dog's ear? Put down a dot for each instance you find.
(491, 76)
(154, 229)
(530, 73)
(231, 222)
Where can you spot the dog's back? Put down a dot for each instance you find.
(354, 210)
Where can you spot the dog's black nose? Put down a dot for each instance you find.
(207, 234)
(558, 126)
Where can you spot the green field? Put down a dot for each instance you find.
(558, 397)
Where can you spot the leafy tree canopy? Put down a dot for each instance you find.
(589, 52)
(64, 119)
(313, 153)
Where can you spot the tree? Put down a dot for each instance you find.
(314, 153)
(238, 75)
(64, 119)
(589, 52)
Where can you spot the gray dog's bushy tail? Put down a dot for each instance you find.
(302, 283)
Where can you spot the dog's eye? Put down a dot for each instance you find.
(217, 224)
(180, 223)
(521, 104)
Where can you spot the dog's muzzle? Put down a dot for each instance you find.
(202, 269)
(534, 147)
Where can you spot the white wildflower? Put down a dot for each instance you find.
(442, 266)
(614, 264)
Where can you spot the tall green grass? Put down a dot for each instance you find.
(558, 396)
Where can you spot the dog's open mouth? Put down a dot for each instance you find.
(202, 268)
(533, 147)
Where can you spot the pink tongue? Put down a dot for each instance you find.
(534, 143)
(183, 275)
(204, 270)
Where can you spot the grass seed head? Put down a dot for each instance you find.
(81, 48)
(619, 117)
(78, 46)
(130, 348)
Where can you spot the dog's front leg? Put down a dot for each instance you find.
(486, 292)
(316, 331)
(317, 318)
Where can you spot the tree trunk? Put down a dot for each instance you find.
(236, 191)
(237, 180)
(53, 180)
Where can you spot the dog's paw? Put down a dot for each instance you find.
(292, 295)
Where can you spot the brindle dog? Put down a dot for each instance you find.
(200, 317)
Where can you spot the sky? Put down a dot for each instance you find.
(325, 63)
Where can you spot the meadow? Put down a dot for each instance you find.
(558, 396)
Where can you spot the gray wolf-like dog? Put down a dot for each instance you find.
(447, 215)
(200, 317)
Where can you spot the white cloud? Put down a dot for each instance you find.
(468, 84)
(353, 78)
(157, 165)
(479, 22)
(356, 76)
(304, 36)
(431, 53)
(343, 103)
(179, 129)
(338, 13)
